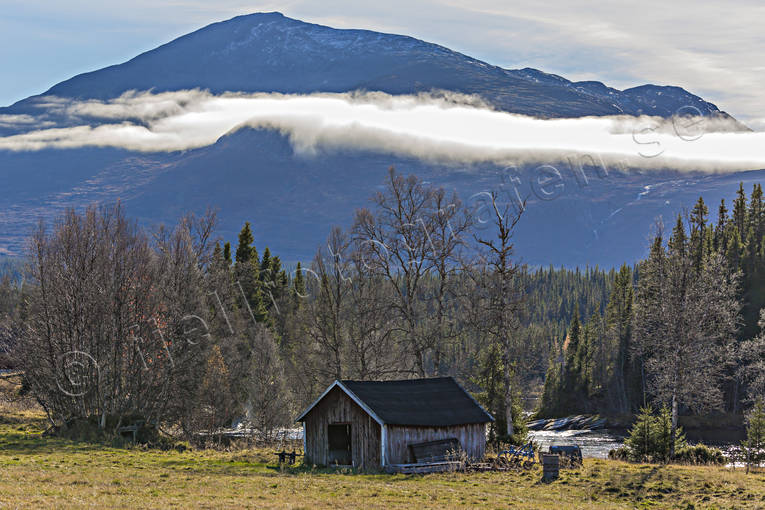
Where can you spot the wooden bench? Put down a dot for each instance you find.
(434, 451)
(134, 428)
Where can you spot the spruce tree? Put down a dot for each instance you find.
(227, 253)
(246, 273)
(265, 265)
(755, 434)
(755, 235)
(721, 227)
(245, 252)
(573, 363)
(217, 251)
(756, 214)
(619, 330)
(739, 209)
(298, 285)
(698, 221)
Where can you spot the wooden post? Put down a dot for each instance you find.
(304, 441)
(550, 467)
(383, 444)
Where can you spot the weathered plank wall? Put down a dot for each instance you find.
(335, 408)
(472, 438)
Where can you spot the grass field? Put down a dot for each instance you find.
(43, 472)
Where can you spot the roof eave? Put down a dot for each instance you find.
(488, 415)
(350, 394)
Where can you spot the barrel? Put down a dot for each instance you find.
(550, 467)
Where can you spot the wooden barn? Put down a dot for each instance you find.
(376, 424)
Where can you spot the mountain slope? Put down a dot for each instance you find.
(293, 200)
(268, 52)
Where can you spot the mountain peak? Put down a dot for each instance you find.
(269, 52)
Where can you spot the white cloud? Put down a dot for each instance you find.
(16, 120)
(447, 128)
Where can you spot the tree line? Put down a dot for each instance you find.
(113, 322)
(683, 328)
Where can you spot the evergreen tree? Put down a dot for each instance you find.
(572, 360)
(739, 209)
(619, 327)
(227, 253)
(217, 251)
(245, 252)
(652, 437)
(246, 273)
(734, 249)
(698, 222)
(755, 435)
(298, 285)
(756, 214)
(265, 265)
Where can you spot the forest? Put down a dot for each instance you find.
(111, 321)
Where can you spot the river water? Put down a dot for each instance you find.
(594, 443)
(597, 443)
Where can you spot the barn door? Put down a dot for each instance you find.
(340, 444)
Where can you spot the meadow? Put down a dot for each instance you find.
(38, 471)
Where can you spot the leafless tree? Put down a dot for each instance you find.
(408, 241)
(495, 298)
(106, 331)
(346, 313)
(269, 405)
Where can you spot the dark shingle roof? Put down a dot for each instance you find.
(425, 402)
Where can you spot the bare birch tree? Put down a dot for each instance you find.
(409, 241)
(496, 303)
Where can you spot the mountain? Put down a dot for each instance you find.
(293, 200)
(268, 52)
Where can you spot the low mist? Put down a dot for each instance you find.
(442, 127)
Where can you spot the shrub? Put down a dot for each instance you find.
(621, 453)
(700, 454)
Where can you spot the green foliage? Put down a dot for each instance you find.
(490, 379)
(227, 253)
(650, 438)
(247, 273)
(245, 252)
(700, 454)
(754, 444)
(603, 367)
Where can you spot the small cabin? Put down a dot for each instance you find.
(373, 424)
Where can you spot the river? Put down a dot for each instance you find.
(594, 443)
(597, 443)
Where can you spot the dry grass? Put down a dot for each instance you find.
(42, 472)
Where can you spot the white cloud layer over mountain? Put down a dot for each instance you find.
(446, 128)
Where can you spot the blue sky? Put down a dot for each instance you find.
(712, 50)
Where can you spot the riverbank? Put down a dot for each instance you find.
(45, 472)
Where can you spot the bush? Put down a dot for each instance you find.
(700, 454)
(621, 453)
